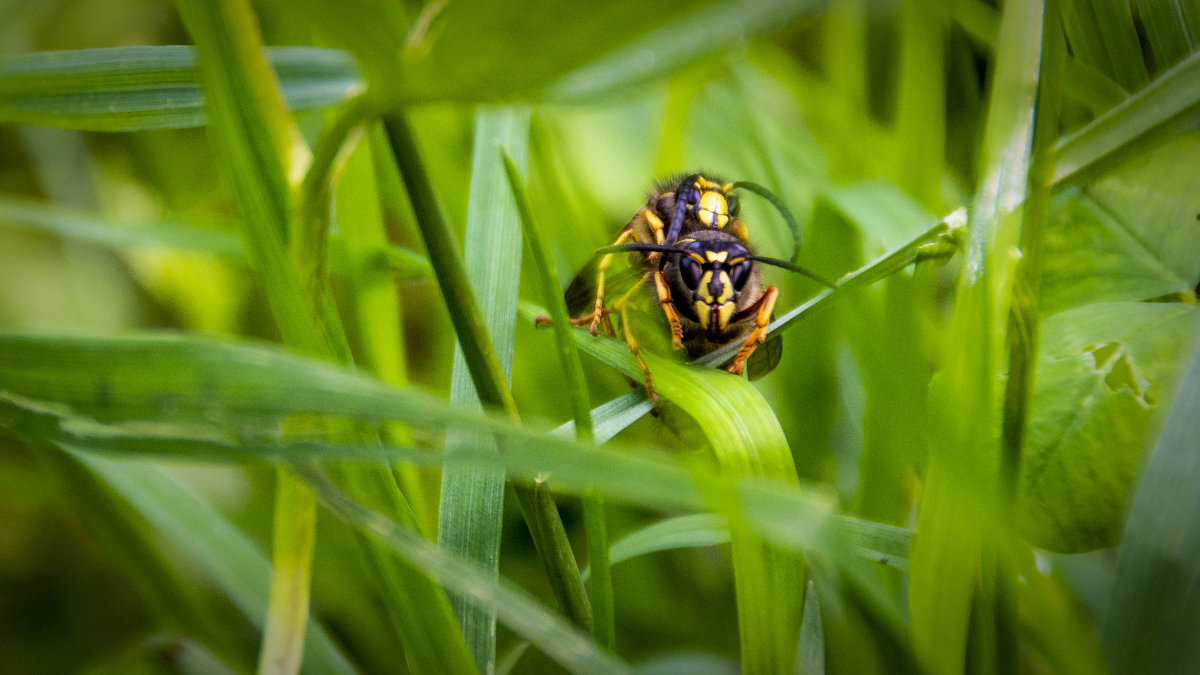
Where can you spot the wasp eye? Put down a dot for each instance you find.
(739, 275)
(690, 270)
(734, 205)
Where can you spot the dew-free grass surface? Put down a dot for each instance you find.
(239, 246)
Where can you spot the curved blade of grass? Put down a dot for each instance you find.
(1152, 622)
(130, 541)
(593, 507)
(747, 441)
(136, 88)
(691, 531)
(472, 499)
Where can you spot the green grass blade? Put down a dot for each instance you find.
(226, 554)
(1172, 28)
(691, 531)
(1152, 623)
(480, 355)
(130, 540)
(920, 116)
(1170, 96)
(103, 392)
(84, 226)
(137, 88)
(958, 576)
(263, 152)
(1102, 35)
(747, 441)
(472, 500)
(593, 507)
(523, 614)
(811, 660)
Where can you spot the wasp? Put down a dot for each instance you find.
(690, 244)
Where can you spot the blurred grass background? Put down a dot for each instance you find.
(872, 120)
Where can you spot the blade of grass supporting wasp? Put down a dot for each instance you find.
(479, 353)
(593, 506)
(747, 441)
(472, 499)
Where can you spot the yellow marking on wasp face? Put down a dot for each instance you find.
(703, 289)
(702, 312)
(716, 256)
(724, 312)
(713, 210)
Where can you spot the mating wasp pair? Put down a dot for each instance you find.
(689, 242)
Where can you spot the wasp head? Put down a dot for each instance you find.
(709, 272)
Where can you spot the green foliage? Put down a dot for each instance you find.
(1008, 199)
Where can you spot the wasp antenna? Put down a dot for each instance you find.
(639, 246)
(793, 267)
(780, 207)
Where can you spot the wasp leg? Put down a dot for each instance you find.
(637, 354)
(656, 224)
(766, 305)
(664, 297)
(598, 311)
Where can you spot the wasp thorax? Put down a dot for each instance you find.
(713, 210)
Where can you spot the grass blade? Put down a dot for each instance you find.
(138, 88)
(480, 354)
(1170, 96)
(1152, 623)
(472, 499)
(958, 578)
(593, 506)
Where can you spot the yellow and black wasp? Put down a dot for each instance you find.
(689, 242)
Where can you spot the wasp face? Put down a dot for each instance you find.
(711, 273)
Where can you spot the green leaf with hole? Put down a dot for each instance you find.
(1107, 372)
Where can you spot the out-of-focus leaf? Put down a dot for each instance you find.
(556, 51)
(1107, 370)
(1132, 235)
(134, 88)
(1152, 624)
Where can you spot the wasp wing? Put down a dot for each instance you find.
(580, 295)
(765, 358)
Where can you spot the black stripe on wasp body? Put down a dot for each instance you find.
(688, 242)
